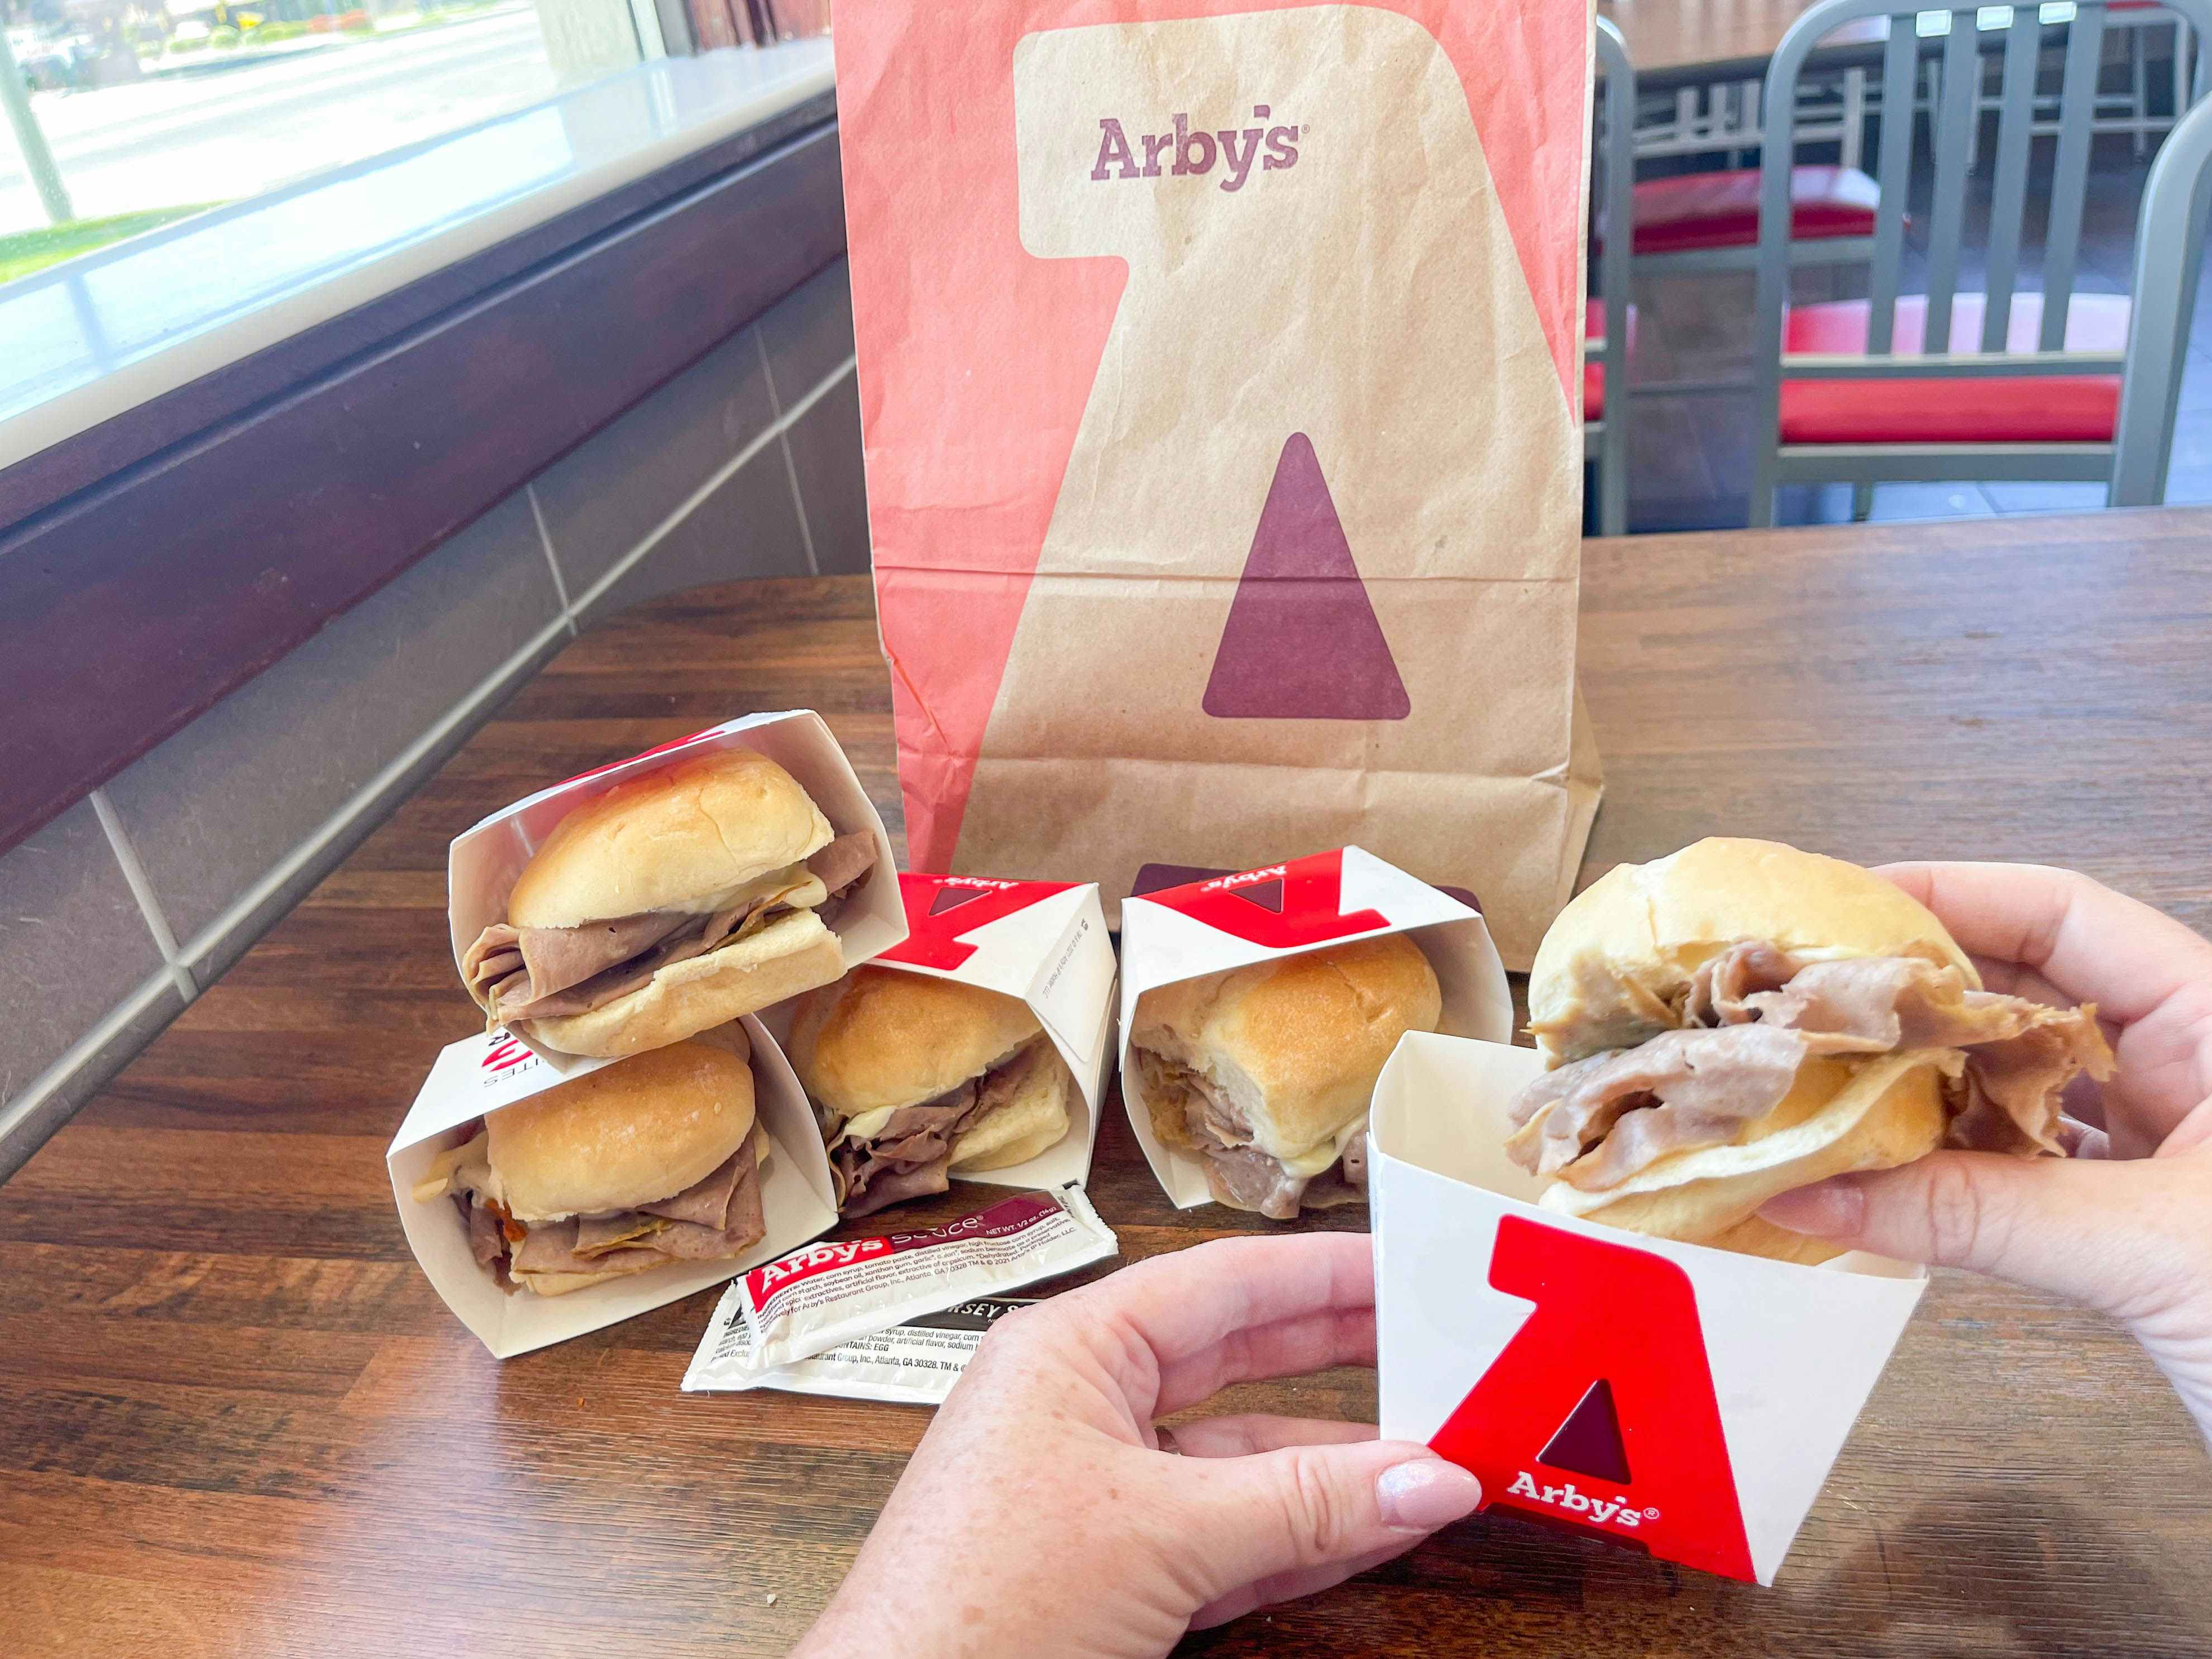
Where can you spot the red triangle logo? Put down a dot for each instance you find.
(952, 898)
(1158, 877)
(1267, 894)
(1302, 642)
(1588, 1441)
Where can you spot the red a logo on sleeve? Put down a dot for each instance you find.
(1279, 906)
(941, 909)
(1600, 1410)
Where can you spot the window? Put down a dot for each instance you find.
(124, 115)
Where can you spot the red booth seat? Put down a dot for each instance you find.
(2021, 408)
(1695, 210)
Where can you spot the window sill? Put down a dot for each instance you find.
(88, 341)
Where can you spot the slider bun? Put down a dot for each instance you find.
(793, 953)
(1296, 1043)
(881, 1037)
(663, 840)
(1620, 957)
(625, 1135)
(1841, 1116)
(1034, 1121)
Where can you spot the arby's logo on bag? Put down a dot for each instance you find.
(941, 911)
(1280, 905)
(1607, 1379)
(1182, 151)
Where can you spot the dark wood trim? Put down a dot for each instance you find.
(85, 458)
(133, 606)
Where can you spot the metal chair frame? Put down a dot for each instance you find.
(2177, 206)
(1614, 157)
(1951, 125)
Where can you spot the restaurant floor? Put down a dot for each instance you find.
(1690, 459)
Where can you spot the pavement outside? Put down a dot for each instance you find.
(178, 141)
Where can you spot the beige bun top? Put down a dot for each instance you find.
(1620, 957)
(882, 1037)
(1296, 1043)
(625, 1135)
(667, 839)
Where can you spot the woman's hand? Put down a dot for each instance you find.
(2125, 1225)
(1044, 1513)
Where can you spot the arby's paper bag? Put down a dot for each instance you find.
(1219, 369)
(1687, 1401)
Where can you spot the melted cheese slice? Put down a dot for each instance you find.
(867, 1126)
(794, 885)
(1317, 1161)
(471, 1158)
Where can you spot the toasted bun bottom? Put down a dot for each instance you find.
(1035, 1119)
(792, 954)
(1887, 1111)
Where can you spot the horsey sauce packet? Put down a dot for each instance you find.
(915, 1364)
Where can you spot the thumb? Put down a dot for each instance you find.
(2073, 1226)
(1305, 1508)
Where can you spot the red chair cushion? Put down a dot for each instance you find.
(1720, 210)
(2002, 409)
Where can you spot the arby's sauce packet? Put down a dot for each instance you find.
(830, 1293)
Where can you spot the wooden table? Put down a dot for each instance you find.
(237, 1422)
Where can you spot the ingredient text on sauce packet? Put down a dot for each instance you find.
(914, 1364)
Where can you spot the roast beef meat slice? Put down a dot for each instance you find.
(940, 1117)
(549, 1247)
(558, 957)
(706, 1202)
(1248, 1178)
(495, 956)
(1684, 1089)
(1718, 988)
(999, 1086)
(486, 1243)
(910, 1154)
(742, 1226)
(598, 1234)
(1239, 1172)
(2020, 1054)
(1709, 1083)
(2014, 1086)
(563, 1246)
(696, 936)
(880, 1184)
(1208, 1118)
(843, 861)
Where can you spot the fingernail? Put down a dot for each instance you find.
(1423, 1494)
(1828, 1209)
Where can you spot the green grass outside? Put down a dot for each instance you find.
(27, 251)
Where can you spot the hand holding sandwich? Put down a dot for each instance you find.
(1042, 1515)
(2125, 1225)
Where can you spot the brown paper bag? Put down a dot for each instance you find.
(1220, 379)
